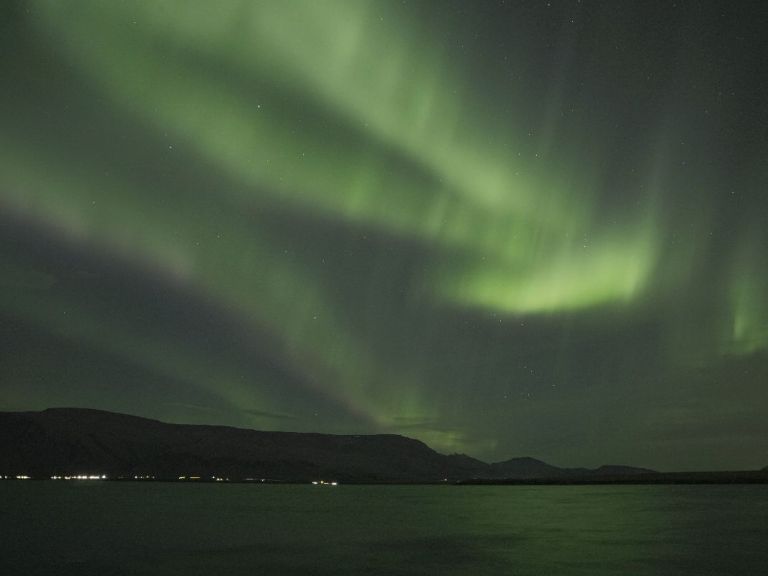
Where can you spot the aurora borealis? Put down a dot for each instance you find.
(503, 228)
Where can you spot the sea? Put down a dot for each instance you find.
(121, 528)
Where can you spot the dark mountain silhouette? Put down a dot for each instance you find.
(524, 467)
(531, 468)
(81, 441)
(71, 441)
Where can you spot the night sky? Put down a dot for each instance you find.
(504, 228)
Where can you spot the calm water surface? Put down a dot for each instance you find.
(110, 528)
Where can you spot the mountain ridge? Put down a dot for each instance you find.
(58, 441)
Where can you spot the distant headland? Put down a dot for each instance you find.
(86, 444)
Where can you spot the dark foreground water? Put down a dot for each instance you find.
(110, 528)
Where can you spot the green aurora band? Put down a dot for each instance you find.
(332, 176)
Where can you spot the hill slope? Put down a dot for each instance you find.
(70, 441)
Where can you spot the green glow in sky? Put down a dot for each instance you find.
(476, 226)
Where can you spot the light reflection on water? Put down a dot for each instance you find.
(153, 528)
